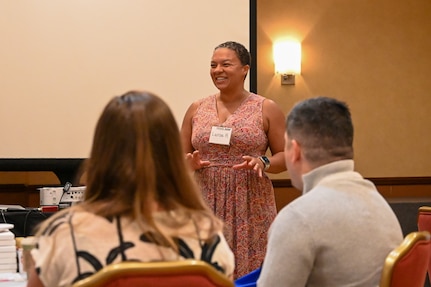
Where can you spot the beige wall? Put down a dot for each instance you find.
(376, 56)
(61, 61)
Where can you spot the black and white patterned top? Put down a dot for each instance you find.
(80, 243)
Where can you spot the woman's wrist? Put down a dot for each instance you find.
(265, 161)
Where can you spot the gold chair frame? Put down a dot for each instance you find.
(165, 268)
(398, 254)
(424, 212)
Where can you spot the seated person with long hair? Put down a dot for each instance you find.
(141, 202)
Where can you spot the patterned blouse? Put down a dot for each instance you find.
(81, 243)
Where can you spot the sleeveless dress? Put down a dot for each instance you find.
(243, 200)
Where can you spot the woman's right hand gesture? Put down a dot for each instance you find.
(195, 162)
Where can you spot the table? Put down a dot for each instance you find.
(24, 221)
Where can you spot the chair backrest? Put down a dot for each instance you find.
(185, 273)
(407, 264)
(424, 224)
(424, 218)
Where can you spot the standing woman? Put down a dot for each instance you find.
(225, 137)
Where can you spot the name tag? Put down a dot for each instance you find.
(220, 135)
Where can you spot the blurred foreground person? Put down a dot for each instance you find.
(141, 202)
(339, 232)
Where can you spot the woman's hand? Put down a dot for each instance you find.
(253, 163)
(195, 162)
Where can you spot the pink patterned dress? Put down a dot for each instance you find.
(241, 198)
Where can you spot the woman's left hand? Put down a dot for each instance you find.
(253, 163)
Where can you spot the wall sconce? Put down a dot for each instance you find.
(287, 60)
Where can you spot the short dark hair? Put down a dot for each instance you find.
(242, 53)
(323, 127)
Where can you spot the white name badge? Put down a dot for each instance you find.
(220, 135)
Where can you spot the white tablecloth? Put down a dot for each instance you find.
(12, 280)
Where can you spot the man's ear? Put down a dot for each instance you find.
(296, 151)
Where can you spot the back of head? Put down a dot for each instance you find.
(137, 159)
(137, 167)
(323, 128)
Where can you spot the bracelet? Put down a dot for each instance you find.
(265, 161)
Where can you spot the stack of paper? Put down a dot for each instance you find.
(8, 257)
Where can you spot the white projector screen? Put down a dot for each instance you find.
(62, 60)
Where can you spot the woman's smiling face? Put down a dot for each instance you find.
(226, 69)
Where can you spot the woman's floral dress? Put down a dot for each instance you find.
(241, 198)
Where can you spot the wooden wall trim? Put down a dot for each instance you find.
(424, 180)
(393, 189)
(281, 183)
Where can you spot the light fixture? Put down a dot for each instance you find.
(287, 60)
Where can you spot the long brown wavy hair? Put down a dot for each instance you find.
(137, 161)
